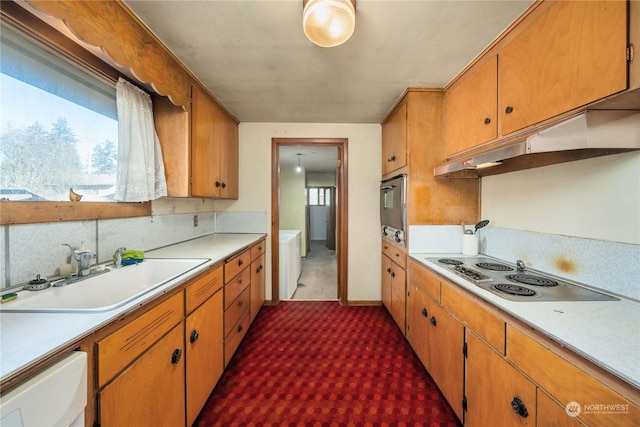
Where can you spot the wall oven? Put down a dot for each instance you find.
(393, 206)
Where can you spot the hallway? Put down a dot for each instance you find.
(318, 280)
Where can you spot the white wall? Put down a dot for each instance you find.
(596, 198)
(363, 153)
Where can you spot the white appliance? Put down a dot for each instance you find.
(290, 262)
(55, 396)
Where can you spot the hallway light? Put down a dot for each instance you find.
(298, 168)
(329, 23)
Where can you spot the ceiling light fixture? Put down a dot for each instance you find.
(329, 23)
(298, 168)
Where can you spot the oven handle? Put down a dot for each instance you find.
(388, 187)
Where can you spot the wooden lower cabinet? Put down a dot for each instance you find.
(151, 391)
(394, 285)
(418, 310)
(258, 277)
(551, 414)
(204, 353)
(497, 394)
(446, 357)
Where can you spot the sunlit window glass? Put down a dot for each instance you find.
(59, 128)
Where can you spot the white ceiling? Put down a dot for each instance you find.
(254, 57)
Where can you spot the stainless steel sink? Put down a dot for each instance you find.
(104, 292)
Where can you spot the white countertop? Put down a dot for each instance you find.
(28, 338)
(604, 332)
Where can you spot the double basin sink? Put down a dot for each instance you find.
(104, 292)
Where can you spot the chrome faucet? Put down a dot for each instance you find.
(83, 257)
(118, 257)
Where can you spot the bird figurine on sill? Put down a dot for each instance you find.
(73, 196)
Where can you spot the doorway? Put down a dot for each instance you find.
(339, 199)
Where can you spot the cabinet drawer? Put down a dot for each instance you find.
(235, 287)
(236, 310)
(425, 280)
(566, 382)
(205, 286)
(484, 324)
(119, 349)
(396, 254)
(236, 264)
(235, 337)
(257, 250)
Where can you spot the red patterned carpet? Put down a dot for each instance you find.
(322, 364)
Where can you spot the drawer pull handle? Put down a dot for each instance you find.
(424, 312)
(239, 303)
(224, 185)
(519, 407)
(217, 184)
(509, 109)
(433, 321)
(487, 121)
(175, 356)
(392, 158)
(194, 336)
(240, 262)
(240, 328)
(240, 281)
(393, 274)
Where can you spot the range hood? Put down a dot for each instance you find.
(590, 134)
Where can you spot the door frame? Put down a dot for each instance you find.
(342, 227)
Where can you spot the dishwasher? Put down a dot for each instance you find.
(55, 396)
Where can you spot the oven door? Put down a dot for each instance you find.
(392, 202)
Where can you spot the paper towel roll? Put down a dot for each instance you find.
(469, 244)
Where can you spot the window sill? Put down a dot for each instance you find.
(37, 212)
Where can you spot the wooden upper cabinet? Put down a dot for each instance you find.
(394, 140)
(572, 54)
(214, 149)
(471, 109)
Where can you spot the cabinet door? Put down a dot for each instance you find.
(151, 391)
(204, 353)
(446, 359)
(495, 389)
(207, 124)
(257, 285)
(418, 311)
(386, 282)
(471, 110)
(394, 140)
(572, 54)
(229, 160)
(398, 295)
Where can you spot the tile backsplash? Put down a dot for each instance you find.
(31, 249)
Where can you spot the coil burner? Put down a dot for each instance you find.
(494, 266)
(510, 289)
(528, 279)
(450, 261)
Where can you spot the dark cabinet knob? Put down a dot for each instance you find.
(509, 109)
(175, 356)
(487, 121)
(519, 407)
(224, 185)
(389, 270)
(217, 184)
(239, 303)
(424, 312)
(392, 158)
(239, 281)
(433, 321)
(393, 274)
(194, 336)
(240, 262)
(240, 328)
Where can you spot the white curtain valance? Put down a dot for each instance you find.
(140, 174)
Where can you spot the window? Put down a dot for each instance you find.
(59, 126)
(318, 196)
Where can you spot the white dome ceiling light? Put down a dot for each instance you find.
(329, 23)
